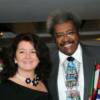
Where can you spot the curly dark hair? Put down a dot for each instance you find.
(10, 68)
(59, 17)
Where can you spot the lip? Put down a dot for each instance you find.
(27, 62)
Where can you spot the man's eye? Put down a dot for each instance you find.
(59, 34)
(70, 33)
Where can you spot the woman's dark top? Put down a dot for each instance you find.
(13, 91)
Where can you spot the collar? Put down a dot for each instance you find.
(78, 54)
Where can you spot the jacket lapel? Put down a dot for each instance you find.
(54, 73)
(88, 65)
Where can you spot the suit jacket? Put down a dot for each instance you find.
(90, 58)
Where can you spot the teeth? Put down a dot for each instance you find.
(27, 62)
(68, 45)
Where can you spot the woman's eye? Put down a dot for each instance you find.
(21, 51)
(33, 51)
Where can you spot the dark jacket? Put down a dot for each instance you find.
(91, 57)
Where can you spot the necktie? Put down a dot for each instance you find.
(71, 71)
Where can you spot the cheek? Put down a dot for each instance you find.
(35, 62)
(76, 37)
(19, 58)
(36, 59)
(58, 41)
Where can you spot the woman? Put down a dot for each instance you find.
(26, 70)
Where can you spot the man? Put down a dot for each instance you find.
(64, 27)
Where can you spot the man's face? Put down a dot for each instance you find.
(66, 37)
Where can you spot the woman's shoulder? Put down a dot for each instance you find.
(4, 89)
(4, 85)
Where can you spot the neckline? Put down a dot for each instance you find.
(28, 80)
(21, 86)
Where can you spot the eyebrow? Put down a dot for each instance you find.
(25, 49)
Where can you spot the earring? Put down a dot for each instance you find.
(15, 62)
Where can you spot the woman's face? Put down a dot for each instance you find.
(26, 57)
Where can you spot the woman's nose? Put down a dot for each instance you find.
(27, 55)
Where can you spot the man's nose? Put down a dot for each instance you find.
(65, 36)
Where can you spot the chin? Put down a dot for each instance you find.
(29, 69)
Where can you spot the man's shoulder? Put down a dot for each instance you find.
(90, 46)
(53, 50)
(92, 51)
(52, 47)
